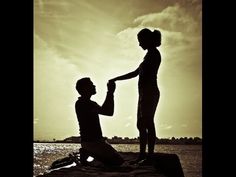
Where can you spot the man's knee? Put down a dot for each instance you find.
(117, 160)
(120, 161)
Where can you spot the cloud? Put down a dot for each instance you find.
(36, 121)
(130, 117)
(54, 91)
(127, 125)
(42, 8)
(173, 18)
(165, 126)
(168, 127)
(180, 30)
(129, 46)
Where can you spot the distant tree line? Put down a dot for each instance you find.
(126, 140)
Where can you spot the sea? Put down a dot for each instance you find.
(190, 155)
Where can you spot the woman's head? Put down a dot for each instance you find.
(149, 39)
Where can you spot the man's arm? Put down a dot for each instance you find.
(108, 106)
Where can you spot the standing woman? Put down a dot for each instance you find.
(148, 90)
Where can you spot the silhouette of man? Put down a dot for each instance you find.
(87, 111)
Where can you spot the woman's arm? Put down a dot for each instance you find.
(127, 76)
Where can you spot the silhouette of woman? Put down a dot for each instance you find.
(148, 90)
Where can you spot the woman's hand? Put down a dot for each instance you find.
(112, 80)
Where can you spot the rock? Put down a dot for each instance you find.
(168, 164)
(163, 165)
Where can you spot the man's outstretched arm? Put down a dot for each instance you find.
(108, 106)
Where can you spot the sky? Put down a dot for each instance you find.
(98, 39)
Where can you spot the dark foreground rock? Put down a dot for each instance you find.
(163, 165)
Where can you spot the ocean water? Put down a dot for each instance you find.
(190, 155)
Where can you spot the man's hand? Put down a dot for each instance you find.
(111, 86)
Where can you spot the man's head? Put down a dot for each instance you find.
(85, 87)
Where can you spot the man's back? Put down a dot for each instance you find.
(87, 115)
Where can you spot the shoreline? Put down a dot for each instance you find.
(118, 143)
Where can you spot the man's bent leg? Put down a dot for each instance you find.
(103, 152)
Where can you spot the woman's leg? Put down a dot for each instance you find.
(142, 132)
(149, 113)
(151, 138)
(143, 141)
